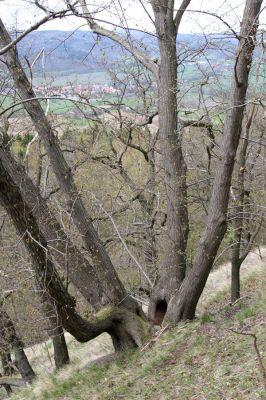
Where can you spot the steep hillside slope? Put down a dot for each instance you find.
(203, 359)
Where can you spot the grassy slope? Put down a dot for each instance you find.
(196, 361)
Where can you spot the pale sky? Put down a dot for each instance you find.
(22, 13)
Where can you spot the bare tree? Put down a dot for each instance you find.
(167, 22)
(173, 269)
(175, 293)
(101, 261)
(184, 303)
(246, 219)
(22, 187)
(125, 327)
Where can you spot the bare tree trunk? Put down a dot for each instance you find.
(238, 224)
(10, 341)
(236, 249)
(61, 356)
(22, 364)
(235, 281)
(240, 218)
(104, 269)
(173, 268)
(55, 330)
(183, 304)
(174, 263)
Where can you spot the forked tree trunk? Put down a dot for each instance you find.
(183, 305)
(173, 268)
(112, 286)
(125, 327)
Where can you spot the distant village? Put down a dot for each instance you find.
(75, 91)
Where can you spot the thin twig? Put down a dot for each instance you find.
(259, 356)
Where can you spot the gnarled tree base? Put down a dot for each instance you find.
(127, 329)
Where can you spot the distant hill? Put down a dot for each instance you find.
(84, 52)
(79, 52)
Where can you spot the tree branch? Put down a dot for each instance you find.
(259, 357)
(144, 60)
(32, 28)
(180, 12)
(251, 241)
(200, 123)
(9, 380)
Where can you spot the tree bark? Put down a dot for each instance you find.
(239, 252)
(55, 330)
(22, 364)
(183, 304)
(112, 286)
(238, 228)
(235, 281)
(61, 356)
(173, 268)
